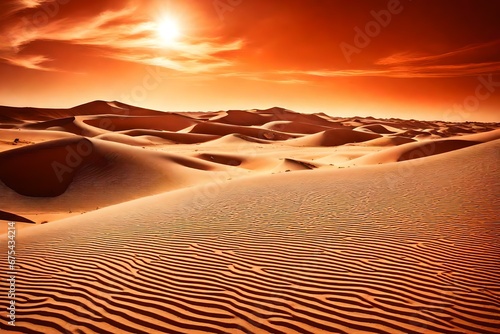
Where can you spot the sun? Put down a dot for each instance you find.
(168, 30)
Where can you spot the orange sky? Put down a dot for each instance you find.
(420, 59)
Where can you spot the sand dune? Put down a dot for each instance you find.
(68, 125)
(335, 137)
(113, 107)
(242, 149)
(312, 119)
(435, 147)
(19, 115)
(249, 221)
(48, 173)
(15, 138)
(169, 122)
(417, 150)
(130, 140)
(387, 141)
(174, 137)
(361, 261)
(8, 122)
(296, 127)
(235, 139)
(223, 129)
(79, 174)
(289, 165)
(483, 136)
(230, 160)
(8, 216)
(91, 108)
(44, 125)
(378, 128)
(241, 117)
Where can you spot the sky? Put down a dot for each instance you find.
(418, 59)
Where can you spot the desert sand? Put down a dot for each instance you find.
(248, 221)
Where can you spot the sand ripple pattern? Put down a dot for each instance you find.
(301, 263)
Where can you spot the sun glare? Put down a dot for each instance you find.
(168, 30)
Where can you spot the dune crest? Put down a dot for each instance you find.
(335, 137)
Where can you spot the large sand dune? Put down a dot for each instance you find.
(256, 221)
(334, 137)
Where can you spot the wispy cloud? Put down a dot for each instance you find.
(30, 3)
(10, 7)
(462, 62)
(450, 56)
(400, 71)
(450, 64)
(279, 77)
(120, 34)
(34, 62)
(419, 71)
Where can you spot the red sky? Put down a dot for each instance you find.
(422, 59)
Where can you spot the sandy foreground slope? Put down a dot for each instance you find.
(263, 230)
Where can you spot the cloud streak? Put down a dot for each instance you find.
(403, 70)
(34, 62)
(451, 56)
(409, 65)
(417, 71)
(122, 34)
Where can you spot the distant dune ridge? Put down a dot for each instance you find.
(249, 221)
